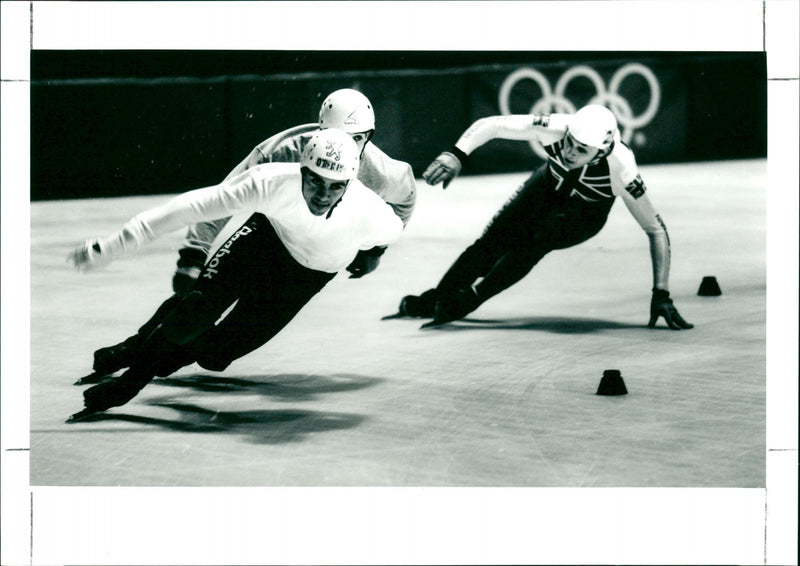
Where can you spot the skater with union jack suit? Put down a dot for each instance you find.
(564, 203)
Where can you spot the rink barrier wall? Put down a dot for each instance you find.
(114, 135)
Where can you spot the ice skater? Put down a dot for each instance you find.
(292, 228)
(345, 109)
(562, 204)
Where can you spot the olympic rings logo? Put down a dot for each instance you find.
(554, 99)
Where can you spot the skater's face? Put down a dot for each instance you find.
(361, 139)
(576, 154)
(321, 193)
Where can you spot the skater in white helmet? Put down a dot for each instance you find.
(350, 111)
(345, 109)
(564, 203)
(290, 232)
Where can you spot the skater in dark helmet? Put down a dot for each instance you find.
(564, 203)
(292, 228)
(345, 109)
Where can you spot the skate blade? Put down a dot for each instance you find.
(93, 378)
(433, 324)
(83, 415)
(393, 316)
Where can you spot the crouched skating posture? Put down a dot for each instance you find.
(293, 227)
(562, 204)
(345, 109)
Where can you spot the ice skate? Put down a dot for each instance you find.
(416, 306)
(454, 307)
(113, 392)
(93, 378)
(114, 358)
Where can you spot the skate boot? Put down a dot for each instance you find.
(114, 358)
(113, 392)
(419, 306)
(454, 306)
(109, 360)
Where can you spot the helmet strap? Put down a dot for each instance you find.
(370, 133)
(603, 153)
(330, 212)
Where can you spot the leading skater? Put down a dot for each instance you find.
(564, 203)
(293, 227)
(345, 109)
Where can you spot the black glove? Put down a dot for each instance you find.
(445, 167)
(366, 261)
(661, 305)
(190, 265)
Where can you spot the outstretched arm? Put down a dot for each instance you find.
(200, 205)
(639, 205)
(641, 208)
(523, 127)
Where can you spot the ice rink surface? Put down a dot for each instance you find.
(504, 398)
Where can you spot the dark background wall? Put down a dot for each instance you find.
(107, 123)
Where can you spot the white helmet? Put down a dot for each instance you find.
(331, 153)
(593, 125)
(348, 110)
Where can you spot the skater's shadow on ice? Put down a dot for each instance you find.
(261, 426)
(287, 387)
(559, 325)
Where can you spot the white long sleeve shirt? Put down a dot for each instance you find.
(389, 178)
(359, 221)
(616, 174)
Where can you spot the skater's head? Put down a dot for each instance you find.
(328, 163)
(349, 111)
(590, 135)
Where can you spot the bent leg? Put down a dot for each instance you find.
(113, 358)
(259, 316)
(187, 317)
(558, 230)
(155, 356)
(509, 270)
(509, 229)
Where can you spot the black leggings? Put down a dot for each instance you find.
(535, 221)
(252, 269)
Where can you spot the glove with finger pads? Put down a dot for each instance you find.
(445, 167)
(366, 261)
(661, 305)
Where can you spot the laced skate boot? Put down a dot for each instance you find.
(114, 358)
(454, 306)
(113, 392)
(419, 306)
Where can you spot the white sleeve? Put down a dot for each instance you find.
(524, 127)
(390, 179)
(645, 214)
(199, 205)
(384, 227)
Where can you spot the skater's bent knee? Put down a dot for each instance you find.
(214, 363)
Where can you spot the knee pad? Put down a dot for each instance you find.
(212, 363)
